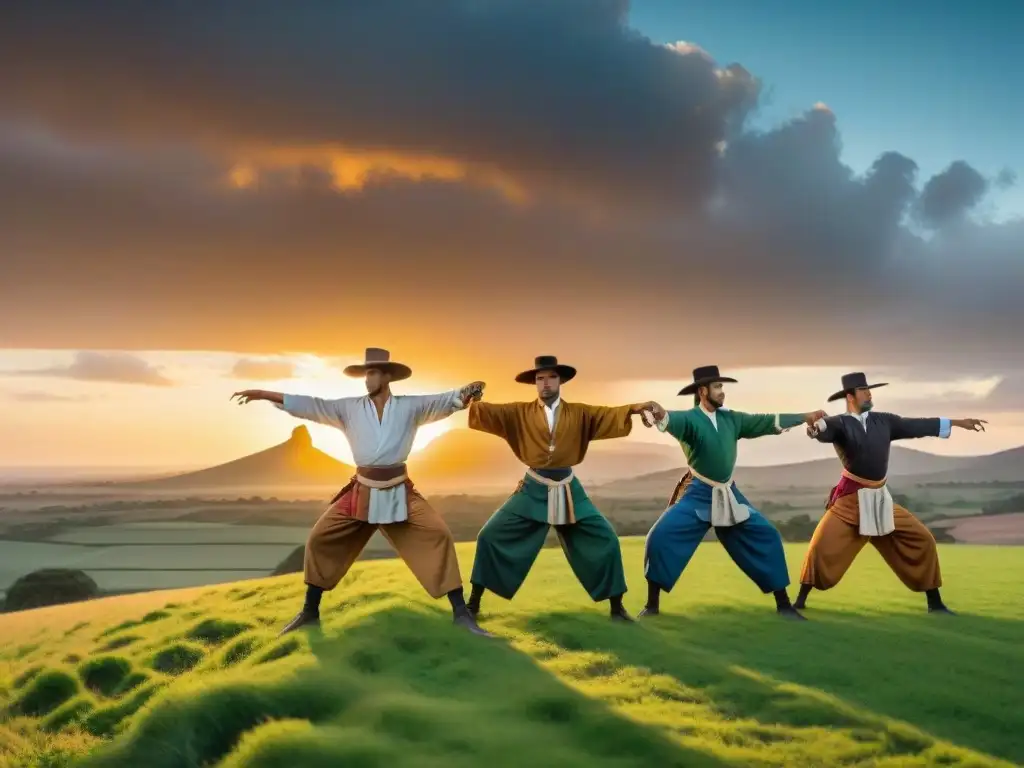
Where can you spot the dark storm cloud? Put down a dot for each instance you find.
(559, 93)
(121, 233)
(950, 194)
(118, 368)
(1006, 178)
(1007, 396)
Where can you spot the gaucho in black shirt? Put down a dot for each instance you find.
(861, 509)
(862, 441)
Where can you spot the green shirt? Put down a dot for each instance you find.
(711, 452)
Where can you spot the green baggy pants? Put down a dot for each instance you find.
(511, 539)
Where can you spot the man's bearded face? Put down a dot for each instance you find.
(548, 384)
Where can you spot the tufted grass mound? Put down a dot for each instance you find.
(716, 681)
(44, 693)
(104, 675)
(176, 658)
(216, 631)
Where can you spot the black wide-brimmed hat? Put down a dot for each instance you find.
(546, 363)
(851, 383)
(381, 360)
(706, 374)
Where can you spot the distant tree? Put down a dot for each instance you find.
(796, 528)
(1005, 506)
(916, 506)
(50, 586)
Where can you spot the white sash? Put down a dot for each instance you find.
(560, 508)
(726, 509)
(876, 513)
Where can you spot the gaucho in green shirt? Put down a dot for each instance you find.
(706, 496)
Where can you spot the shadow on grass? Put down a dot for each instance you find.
(397, 687)
(951, 678)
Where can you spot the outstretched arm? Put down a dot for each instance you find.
(431, 408)
(677, 424)
(753, 425)
(902, 428)
(316, 409)
(494, 418)
(604, 422)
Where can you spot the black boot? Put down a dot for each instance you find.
(935, 604)
(801, 599)
(309, 616)
(474, 599)
(461, 615)
(618, 612)
(785, 608)
(653, 601)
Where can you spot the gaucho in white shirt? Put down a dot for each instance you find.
(380, 427)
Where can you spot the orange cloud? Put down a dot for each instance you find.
(353, 169)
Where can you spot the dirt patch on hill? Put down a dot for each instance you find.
(990, 529)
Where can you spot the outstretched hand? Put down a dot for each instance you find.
(810, 419)
(472, 392)
(248, 396)
(974, 425)
(650, 413)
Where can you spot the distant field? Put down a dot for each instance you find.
(1005, 529)
(197, 678)
(174, 532)
(183, 555)
(146, 542)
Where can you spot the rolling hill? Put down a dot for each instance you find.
(1004, 466)
(197, 678)
(458, 461)
(911, 466)
(465, 461)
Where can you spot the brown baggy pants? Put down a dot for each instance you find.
(909, 550)
(424, 542)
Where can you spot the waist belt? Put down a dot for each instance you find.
(560, 506)
(382, 477)
(726, 509)
(375, 477)
(875, 506)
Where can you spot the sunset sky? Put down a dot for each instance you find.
(200, 198)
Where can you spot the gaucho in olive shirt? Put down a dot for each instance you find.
(550, 436)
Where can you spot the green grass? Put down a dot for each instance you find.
(871, 680)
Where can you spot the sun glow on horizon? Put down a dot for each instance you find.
(119, 423)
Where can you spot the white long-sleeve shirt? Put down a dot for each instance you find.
(377, 442)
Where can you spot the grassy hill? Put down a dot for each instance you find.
(459, 460)
(197, 678)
